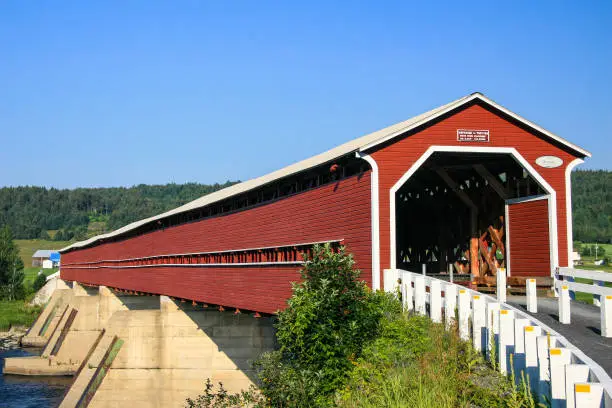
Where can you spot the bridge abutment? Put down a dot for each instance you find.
(145, 350)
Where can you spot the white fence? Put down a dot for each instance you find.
(566, 287)
(556, 368)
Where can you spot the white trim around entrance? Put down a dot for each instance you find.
(568, 209)
(375, 220)
(552, 195)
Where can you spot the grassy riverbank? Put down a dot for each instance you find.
(17, 313)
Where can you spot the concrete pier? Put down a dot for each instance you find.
(145, 351)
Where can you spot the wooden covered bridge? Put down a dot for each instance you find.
(469, 185)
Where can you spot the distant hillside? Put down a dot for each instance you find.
(37, 212)
(592, 205)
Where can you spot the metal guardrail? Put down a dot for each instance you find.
(556, 368)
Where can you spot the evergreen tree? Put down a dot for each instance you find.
(11, 267)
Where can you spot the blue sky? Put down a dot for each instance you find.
(122, 93)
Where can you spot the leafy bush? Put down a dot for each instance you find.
(221, 398)
(39, 282)
(329, 318)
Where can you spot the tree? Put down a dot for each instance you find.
(59, 236)
(329, 318)
(39, 282)
(11, 267)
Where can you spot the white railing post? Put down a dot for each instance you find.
(532, 296)
(531, 356)
(478, 322)
(388, 275)
(492, 326)
(464, 314)
(588, 395)
(501, 285)
(451, 270)
(544, 343)
(564, 305)
(407, 296)
(419, 294)
(506, 339)
(435, 301)
(424, 269)
(450, 302)
(597, 298)
(574, 373)
(606, 316)
(559, 358)
(519, 348)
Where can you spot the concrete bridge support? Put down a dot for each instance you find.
(161, 357)
(145, 351)
(72, 321)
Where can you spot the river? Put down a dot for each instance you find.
(29, 392)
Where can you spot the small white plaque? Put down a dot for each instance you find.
(549, 162)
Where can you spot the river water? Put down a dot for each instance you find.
(29, 392)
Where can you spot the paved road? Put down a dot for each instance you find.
(583, 332)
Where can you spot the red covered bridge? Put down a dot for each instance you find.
(470, 185)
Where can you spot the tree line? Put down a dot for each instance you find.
(32, 211)
(592, 205)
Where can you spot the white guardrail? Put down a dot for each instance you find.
(555, 367)
(566, 288)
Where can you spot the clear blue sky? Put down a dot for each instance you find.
(128, 92)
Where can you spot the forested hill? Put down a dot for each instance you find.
(37, 212)
(592, 205)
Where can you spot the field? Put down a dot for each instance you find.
(27, 247)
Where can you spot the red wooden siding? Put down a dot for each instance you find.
(263, 289)
(395, 159)
(334, 211)
(529, 238)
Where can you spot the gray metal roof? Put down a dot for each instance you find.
(360, 144)
(43, 253)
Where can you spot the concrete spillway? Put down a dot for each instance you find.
(145, 351)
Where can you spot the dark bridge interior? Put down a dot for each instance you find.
(453, 204)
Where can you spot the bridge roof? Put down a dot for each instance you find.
(361, 144)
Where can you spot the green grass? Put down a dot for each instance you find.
(17, 313)
(27, 247)
(417, 363)
(31, 273)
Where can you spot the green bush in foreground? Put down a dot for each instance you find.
(343, 345)
(329, 318)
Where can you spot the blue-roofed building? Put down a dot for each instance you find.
(47, 258)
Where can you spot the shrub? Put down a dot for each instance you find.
(323, 329)
(39, 282)
(221, 398)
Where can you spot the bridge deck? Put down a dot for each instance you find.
(583, 332)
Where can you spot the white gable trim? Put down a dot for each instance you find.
(464, 101)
